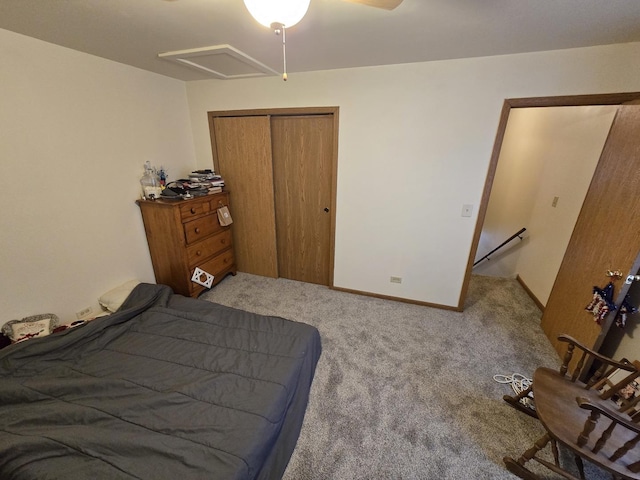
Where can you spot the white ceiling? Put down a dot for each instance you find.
(334, 33)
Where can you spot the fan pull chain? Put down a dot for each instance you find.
(284, 54)
(277, 28)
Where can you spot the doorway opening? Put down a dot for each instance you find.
(546, 163)
(628, 118)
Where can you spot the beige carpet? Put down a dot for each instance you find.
(404, 391)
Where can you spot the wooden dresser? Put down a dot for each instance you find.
(185, 234)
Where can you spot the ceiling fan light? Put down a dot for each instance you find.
(285, 12)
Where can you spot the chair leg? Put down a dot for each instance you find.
(556, 453)
(518, 468)
(580, 466)
(514, 401)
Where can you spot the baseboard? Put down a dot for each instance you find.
(530, 293)
(397, 299)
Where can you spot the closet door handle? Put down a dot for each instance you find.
(326, 209)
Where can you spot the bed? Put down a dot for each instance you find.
(168, 387)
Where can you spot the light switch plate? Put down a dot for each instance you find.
(467, 210)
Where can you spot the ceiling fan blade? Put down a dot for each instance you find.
(386, 4)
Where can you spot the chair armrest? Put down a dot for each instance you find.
(609, 361)
(611, 414)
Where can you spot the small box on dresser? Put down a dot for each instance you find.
(185, 234)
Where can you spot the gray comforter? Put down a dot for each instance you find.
(167, 388)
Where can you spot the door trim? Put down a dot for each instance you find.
(295, 111)
(509, 103)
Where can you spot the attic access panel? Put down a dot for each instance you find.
(220, 61)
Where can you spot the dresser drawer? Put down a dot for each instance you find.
(200, 251)
(194, 209)
(202, 206)
(200, 228)
(220, 201)
(214, 265)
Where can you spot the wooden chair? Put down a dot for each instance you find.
(594, 420)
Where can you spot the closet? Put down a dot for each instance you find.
(280, 165)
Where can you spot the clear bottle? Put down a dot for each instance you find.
(151, 188)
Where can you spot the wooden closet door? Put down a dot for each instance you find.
(302, 149)
(606, 237)
(243, 154)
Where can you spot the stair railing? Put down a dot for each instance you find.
(517, 234)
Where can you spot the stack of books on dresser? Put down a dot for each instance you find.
(207, 179)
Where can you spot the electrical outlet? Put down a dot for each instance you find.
(395, 279)
(84, 312)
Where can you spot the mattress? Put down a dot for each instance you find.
(168, 387)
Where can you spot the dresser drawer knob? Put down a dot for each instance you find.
(197, 230)
(193, 210)
(198, 253)
(226, 260)
(223, 241)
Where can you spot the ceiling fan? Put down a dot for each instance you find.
(289, 12)
(386, 4)
(282, 14)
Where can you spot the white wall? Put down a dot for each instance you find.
(414, 146)
(546, 153)
(580, 134)
(75, 131)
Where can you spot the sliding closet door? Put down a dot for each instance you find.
(302, 149)
(243, 154)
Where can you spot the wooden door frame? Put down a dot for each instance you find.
(509, 103)
(294, 111)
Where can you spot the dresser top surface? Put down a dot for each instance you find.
(180, 201)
